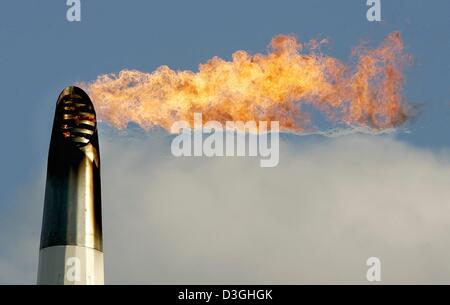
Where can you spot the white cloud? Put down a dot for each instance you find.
(315, 218)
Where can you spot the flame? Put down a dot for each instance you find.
(277, 86)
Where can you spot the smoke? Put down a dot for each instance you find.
(294, 84)
(315, 218)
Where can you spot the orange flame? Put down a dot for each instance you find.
(272, 87)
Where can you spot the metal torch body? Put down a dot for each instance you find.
(71, 249)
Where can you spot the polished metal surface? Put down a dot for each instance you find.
(72, 208)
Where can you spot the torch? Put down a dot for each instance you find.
(71, 249)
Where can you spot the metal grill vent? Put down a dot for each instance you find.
(78, 120)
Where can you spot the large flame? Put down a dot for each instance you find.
(272, 87)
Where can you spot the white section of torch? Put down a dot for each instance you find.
(70, 265)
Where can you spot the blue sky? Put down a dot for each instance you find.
(41, 53)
